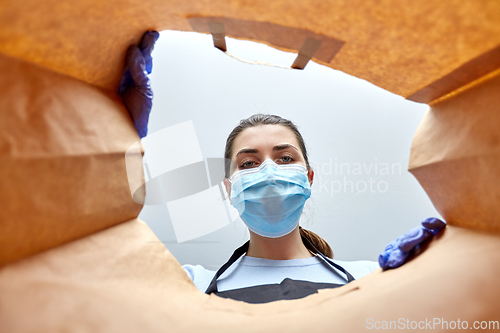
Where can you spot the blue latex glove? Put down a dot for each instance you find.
(135, 87)
(397, 251)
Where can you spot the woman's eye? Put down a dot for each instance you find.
(247, 164)
(286, 159)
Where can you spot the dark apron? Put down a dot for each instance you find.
(287, 289)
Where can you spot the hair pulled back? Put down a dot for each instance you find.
(267, 119)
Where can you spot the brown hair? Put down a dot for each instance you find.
(267, 119)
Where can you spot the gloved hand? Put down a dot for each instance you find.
(135, 87)
(397, 251)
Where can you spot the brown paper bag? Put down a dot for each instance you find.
(124, 280)
(455, 156)
(62, 148)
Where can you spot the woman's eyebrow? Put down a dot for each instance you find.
(284, 146)
(247, 151)
(275, 148)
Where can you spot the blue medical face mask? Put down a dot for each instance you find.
(271, 197)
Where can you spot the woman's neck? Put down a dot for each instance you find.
(283, 248)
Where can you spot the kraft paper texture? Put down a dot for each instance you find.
(124, 280)
(400, 46)
(75, 258)
(62, 152)
(455, 156)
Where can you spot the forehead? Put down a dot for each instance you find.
(264, 136)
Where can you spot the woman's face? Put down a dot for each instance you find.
(256, 144)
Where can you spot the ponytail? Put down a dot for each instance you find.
(317, 241)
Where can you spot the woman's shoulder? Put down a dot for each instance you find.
(358, 268)
(200, 276)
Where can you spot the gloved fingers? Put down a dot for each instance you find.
(125, 83)
(415, 236)
(391, 246)
(146, 46)
(433, 224)
(384, 256)
(409, 239)
(135, 88)
(396, 252)
(397, 258)
(136, 66)
(392, 258)
(139, 101)
(382, 260)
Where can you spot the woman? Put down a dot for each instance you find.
(268, 178)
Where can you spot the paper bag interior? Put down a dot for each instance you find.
(74, 257)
